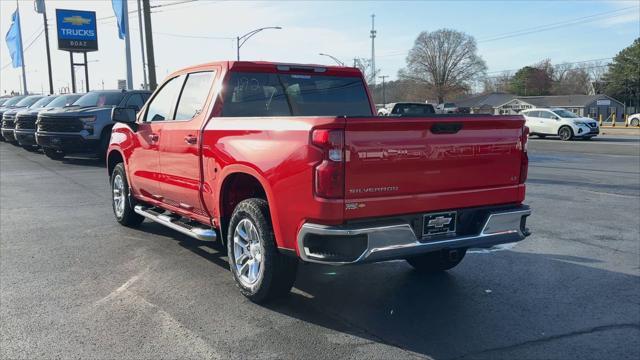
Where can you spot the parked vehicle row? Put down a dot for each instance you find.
(65, 124)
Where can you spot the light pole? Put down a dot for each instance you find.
(240, 40)
(384, 94)
(333, 58)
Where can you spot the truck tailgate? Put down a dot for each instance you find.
(408, 165)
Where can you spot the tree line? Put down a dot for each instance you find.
(444, 65)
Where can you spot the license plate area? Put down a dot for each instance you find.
(443, 223)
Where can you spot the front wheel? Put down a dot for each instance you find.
(437, 261)
(121, 199)
(565, 133)
(53, 154)
(259, 270)
(634, 122)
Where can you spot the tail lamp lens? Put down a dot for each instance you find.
(329, 173)
(524, 163)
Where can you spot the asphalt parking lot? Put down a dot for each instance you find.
(75, 284)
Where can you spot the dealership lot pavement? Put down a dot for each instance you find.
(73, 283)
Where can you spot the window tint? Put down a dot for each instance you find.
(546, 115)
(134, 101)
(42, 102)
(194, 94)
(98, 98)
(162, 105)
(532, 114)
(28, 101)
(412, 109)
(262, 94)
(63, 100)
(14, 100)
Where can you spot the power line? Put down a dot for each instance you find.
(563, 63)
(26, 48)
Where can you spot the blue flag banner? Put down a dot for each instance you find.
(13, 40)
(118, 9)
(39, 6)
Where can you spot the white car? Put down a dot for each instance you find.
(634, 120)
(560, 122)
(446, 108)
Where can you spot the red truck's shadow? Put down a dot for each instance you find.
(494, 305)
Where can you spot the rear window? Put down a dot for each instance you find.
(269, 94)
(412, 109)
(100, 99)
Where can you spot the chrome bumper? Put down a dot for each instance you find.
(397, 239)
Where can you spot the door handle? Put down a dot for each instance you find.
(190, 139)
(154, 137)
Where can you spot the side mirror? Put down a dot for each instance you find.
(123, 115)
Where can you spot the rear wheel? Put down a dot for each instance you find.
(53, 154)
(121, 200)
(565, 133)
(634, 122)
(260, 271)
(437, 261)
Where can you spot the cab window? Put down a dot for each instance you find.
(162, 106)
(194, 94)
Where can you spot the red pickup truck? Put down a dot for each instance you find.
(282, 163)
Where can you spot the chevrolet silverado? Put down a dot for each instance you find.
(281, 163)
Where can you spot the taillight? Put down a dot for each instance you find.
(329, 174)
(524, 163)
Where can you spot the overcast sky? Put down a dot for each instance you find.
(564, 31)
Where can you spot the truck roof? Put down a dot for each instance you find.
(267, 66)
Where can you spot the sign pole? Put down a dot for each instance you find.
(73, 73)
(86, 70)
(24, 74)
(127, 44)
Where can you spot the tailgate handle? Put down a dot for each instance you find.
(446, 128)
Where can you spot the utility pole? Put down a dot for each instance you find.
(384, 94)
(127, 43)
(373, 50)
(144, 70)
(41, 8)
(24, 74)
(151, 62)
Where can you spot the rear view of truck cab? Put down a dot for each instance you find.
(281, 163)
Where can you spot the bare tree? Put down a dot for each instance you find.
(365, 66)
(499, 83)
(445, 60)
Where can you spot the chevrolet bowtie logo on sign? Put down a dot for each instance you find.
(76, 30)
(77, 20)
(439, 224)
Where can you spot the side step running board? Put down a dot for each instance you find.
(177, 224)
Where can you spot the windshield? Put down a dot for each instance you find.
(63, 100)
(28, 101)
(565, 114)
(42, 102)
(13, 101)
(100, 99)
(268, 94)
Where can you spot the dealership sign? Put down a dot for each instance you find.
(77, 30)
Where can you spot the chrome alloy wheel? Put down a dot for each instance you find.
(247, 253)
(118, 195)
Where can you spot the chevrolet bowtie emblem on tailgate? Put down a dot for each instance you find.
(76, 20)
(439, 222)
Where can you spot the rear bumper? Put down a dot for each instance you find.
(374, 242)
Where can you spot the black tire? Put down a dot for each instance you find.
(126, 215)
(565, 133)
(53, 154)
(437, 261)
(277, 272)
(634, 122)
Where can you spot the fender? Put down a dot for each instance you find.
(271, 199)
